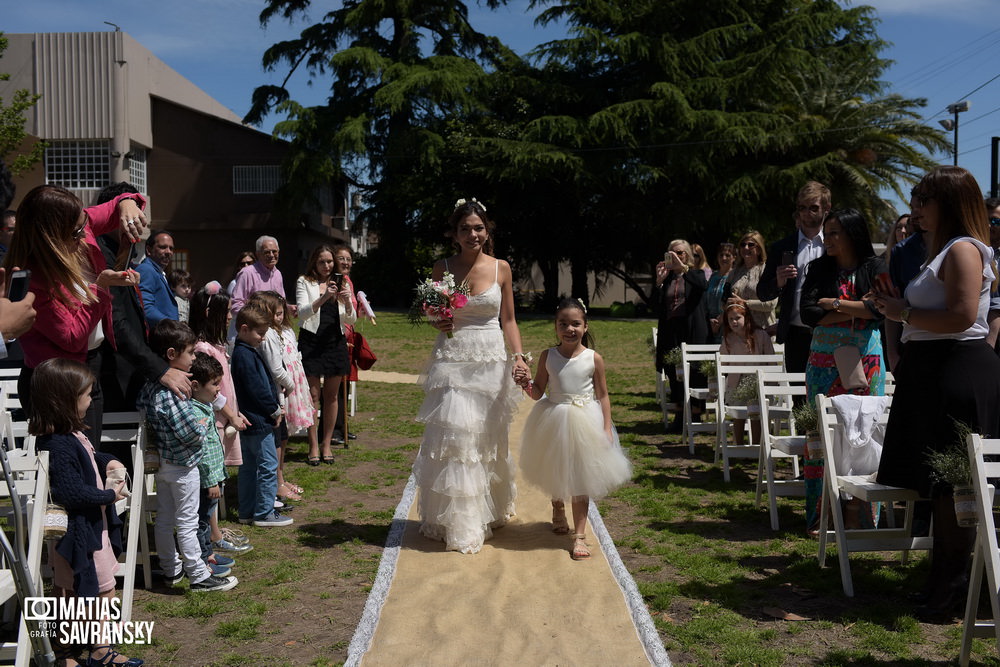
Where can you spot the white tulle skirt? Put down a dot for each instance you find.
(565, 452)
(463, 470)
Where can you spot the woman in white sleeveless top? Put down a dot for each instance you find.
(947, 375)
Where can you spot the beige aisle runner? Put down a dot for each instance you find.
(519, 601)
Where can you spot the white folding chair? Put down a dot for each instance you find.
(777, 392)
(667, 408)
(30, 481)
(726, 411)
(138, 505)
(851, 540)
(986, 556)
(691, 356)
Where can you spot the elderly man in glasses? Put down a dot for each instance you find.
(261, 275)
(785, 271)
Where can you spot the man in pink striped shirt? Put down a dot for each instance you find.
(261, 275)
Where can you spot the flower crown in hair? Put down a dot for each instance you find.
(463, 202)
(213, 287)
(580, 301)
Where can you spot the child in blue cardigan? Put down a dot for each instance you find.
(258, 398)
(85, 559)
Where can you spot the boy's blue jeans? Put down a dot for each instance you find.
(258, 475)
(206, 507)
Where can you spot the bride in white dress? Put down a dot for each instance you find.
(464, 470)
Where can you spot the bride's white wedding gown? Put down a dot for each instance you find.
(464, 470)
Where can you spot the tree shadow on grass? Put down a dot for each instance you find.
(794, 583)
(320, 535)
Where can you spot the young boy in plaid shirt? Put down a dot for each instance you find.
(178, 433)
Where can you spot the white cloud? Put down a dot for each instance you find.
(972, 11)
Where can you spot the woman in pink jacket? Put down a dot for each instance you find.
(56, 241)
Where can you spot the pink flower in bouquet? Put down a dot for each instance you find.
(437, 300)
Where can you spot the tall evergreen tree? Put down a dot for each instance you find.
(397, 67)
(702, 119)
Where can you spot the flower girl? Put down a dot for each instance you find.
(570, 448)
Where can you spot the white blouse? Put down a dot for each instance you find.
(927, 290)
(306, 293)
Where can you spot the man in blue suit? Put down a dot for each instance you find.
(157, 297)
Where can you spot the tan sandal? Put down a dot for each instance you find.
(559, 524)
(580, 549)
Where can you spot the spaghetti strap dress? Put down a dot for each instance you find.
(564, 449)
(463, 470)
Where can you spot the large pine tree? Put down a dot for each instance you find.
(397, 67)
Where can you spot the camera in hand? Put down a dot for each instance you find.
(338, 278)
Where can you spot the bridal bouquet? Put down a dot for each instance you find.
(438, 300)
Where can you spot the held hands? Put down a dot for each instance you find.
(240, 423)
(521, 374)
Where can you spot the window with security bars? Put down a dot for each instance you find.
(137, 168)
(180, 260)
(78, 164)
(261, 179)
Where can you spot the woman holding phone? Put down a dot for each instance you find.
(679, 295)
(751, 256)
(325, 310)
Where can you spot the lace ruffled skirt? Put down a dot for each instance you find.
(464, 470)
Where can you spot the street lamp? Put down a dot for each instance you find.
(950, 124)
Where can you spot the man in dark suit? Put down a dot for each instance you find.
(124, 371)
(785, 271)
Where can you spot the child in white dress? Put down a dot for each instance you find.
(570, 448)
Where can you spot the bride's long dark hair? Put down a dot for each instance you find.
(464, 210)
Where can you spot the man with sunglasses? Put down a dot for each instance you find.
(785, 271)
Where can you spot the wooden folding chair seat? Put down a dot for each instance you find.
(864, 488)
(726, 411)
(777, 392)
(984, 456)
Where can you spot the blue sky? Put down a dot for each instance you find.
(944, 49)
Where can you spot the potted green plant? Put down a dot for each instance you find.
(675, 358)
(951, 466)
(745, 393)
(709, 370)
(807, 422)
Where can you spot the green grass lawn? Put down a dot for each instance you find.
(712, 573)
